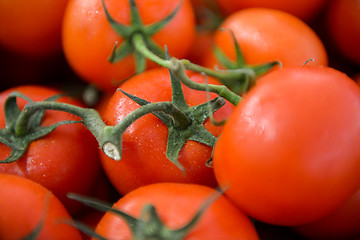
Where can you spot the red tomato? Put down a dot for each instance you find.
(144, 142)
(203, 43)
(31, 27)
(343, 223)
(266, 35)
(344, 27)
(305, 9)
(290, 151)
(176, 205)
(66, 160)
(24, 204)
(88, 38)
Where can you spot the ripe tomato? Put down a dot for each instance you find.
(344, 27)
(290, 151)
(343, 223)
(176, 204)
(24, 204)
(144, 142)
(266, 35)
(31, 27)
(305, 9)
(88, 38)
(203, 43)
(66, 160)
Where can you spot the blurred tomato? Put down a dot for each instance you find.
(31, 27)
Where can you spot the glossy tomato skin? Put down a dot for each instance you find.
(290, 150)
(66, 160)
(343, 24)
(343, 223)
(88, 38)
(176, 204)
(31, 28)
(304, 10)
(23, 203)
(265, 35)
(144, 142)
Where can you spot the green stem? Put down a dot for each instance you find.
(178, 69)
(140, 46)
(90, 117)
(113, 135)
(179, 117)
(223, 75)
(108, 137)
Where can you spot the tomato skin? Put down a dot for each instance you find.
(343, 23)
(290, 150)
(88, 38)
(343, 223)
(176, 204)
(31, 28)
(265, 35)
(66, 160)
(144, 142)
(22, 203)
(202, 44)
(304, 10)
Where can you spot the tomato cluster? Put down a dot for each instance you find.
(179, 119)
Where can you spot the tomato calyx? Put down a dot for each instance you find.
(184, 123)
(242, 84)
(17, 133)
(149, 226)
(136, 28)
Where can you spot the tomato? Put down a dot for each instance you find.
(66, 160)
(88, 38)
(144, 142)
(31, 28)
(306, 9)
(176, 204)
(343, 23)
(203, 43)
(290, 150)
(24, 204)
(343, 223)
(266, 35)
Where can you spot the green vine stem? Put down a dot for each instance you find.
(223, 75)
(184, 122)
(178, 69)
(108, 137)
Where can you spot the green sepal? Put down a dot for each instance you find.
(121, 29)
(11, 109)
(162, 116)
(149, 225)
(20, 144)
(136, 27)
(84, 228)
(104, 207)
(19, 138)
(157, 26)
(120, 52)
(243, 83)
(195, 131)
